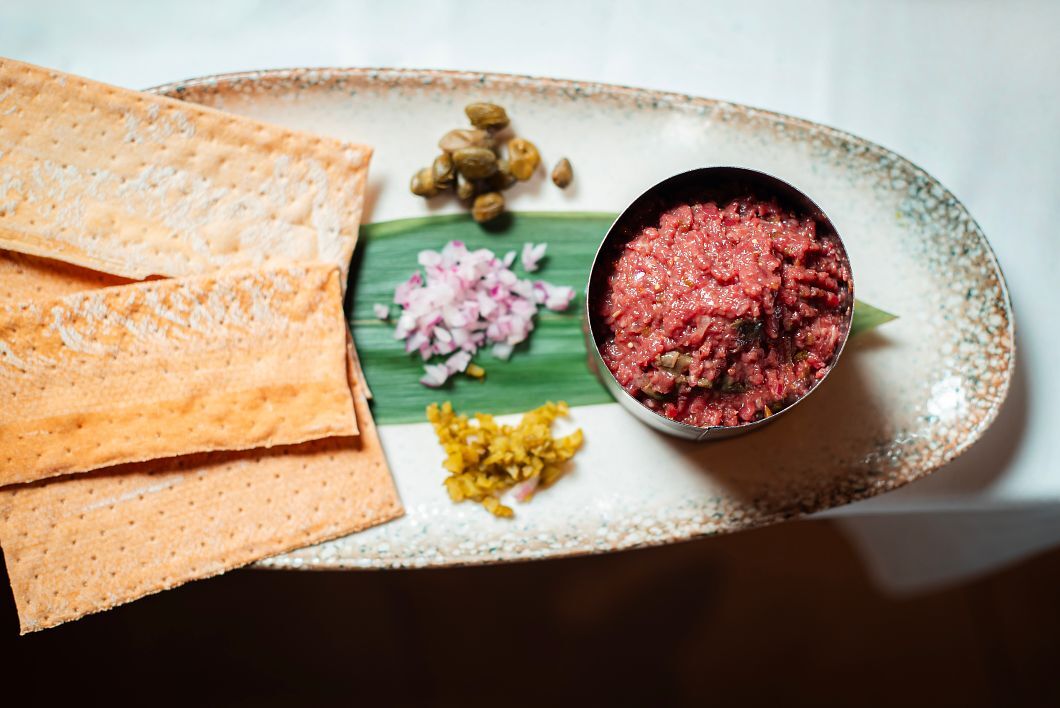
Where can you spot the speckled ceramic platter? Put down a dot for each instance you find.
(904, 400)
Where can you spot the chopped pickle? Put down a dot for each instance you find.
(668, 360)
(485, 459)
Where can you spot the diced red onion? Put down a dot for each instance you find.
(464, 300)
(531, 256)
(524, 490)
(436, 375)
(457, 363)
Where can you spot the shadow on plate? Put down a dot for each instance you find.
(807, 459)
(371, 197)
(987, 461)
(838, 447)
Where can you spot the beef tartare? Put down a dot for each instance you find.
(721, 315)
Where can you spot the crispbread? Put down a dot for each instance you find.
(227, 361)
(136, 185)
(81, 544)
(24, 278)
(353, 367)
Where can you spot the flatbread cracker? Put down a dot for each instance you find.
(137, 185)
(229, 361)
(82, 544)
(24, 278)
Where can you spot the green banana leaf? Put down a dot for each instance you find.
(551, 365)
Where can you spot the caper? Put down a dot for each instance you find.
(465, 188)
(475, 162)
(487, 206)
(503, 178)
(422, 184)
(562, 174)
(487, 116)
(442, 170)
(524, 158)
(464, 138)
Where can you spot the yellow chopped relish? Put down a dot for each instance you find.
(486, 459)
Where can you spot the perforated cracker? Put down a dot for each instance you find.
(137, 185)
(81, 544)
(24, 277)
(229, 361)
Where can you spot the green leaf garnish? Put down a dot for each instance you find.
(553, 364)
(867, 317)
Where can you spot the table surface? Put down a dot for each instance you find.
(967, 90)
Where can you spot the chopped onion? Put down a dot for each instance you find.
(524, 491)
(532, 255)
(436, 375)
(464, 300)
(502, 351)
(458, 362)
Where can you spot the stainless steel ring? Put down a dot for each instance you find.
(705, 180)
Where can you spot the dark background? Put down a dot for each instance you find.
(778, 616)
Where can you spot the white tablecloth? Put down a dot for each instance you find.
(969, 90)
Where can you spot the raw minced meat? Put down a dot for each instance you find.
(723, 315)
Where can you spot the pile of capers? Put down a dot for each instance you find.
(478, 164)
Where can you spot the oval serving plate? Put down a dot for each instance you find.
(907, 399)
